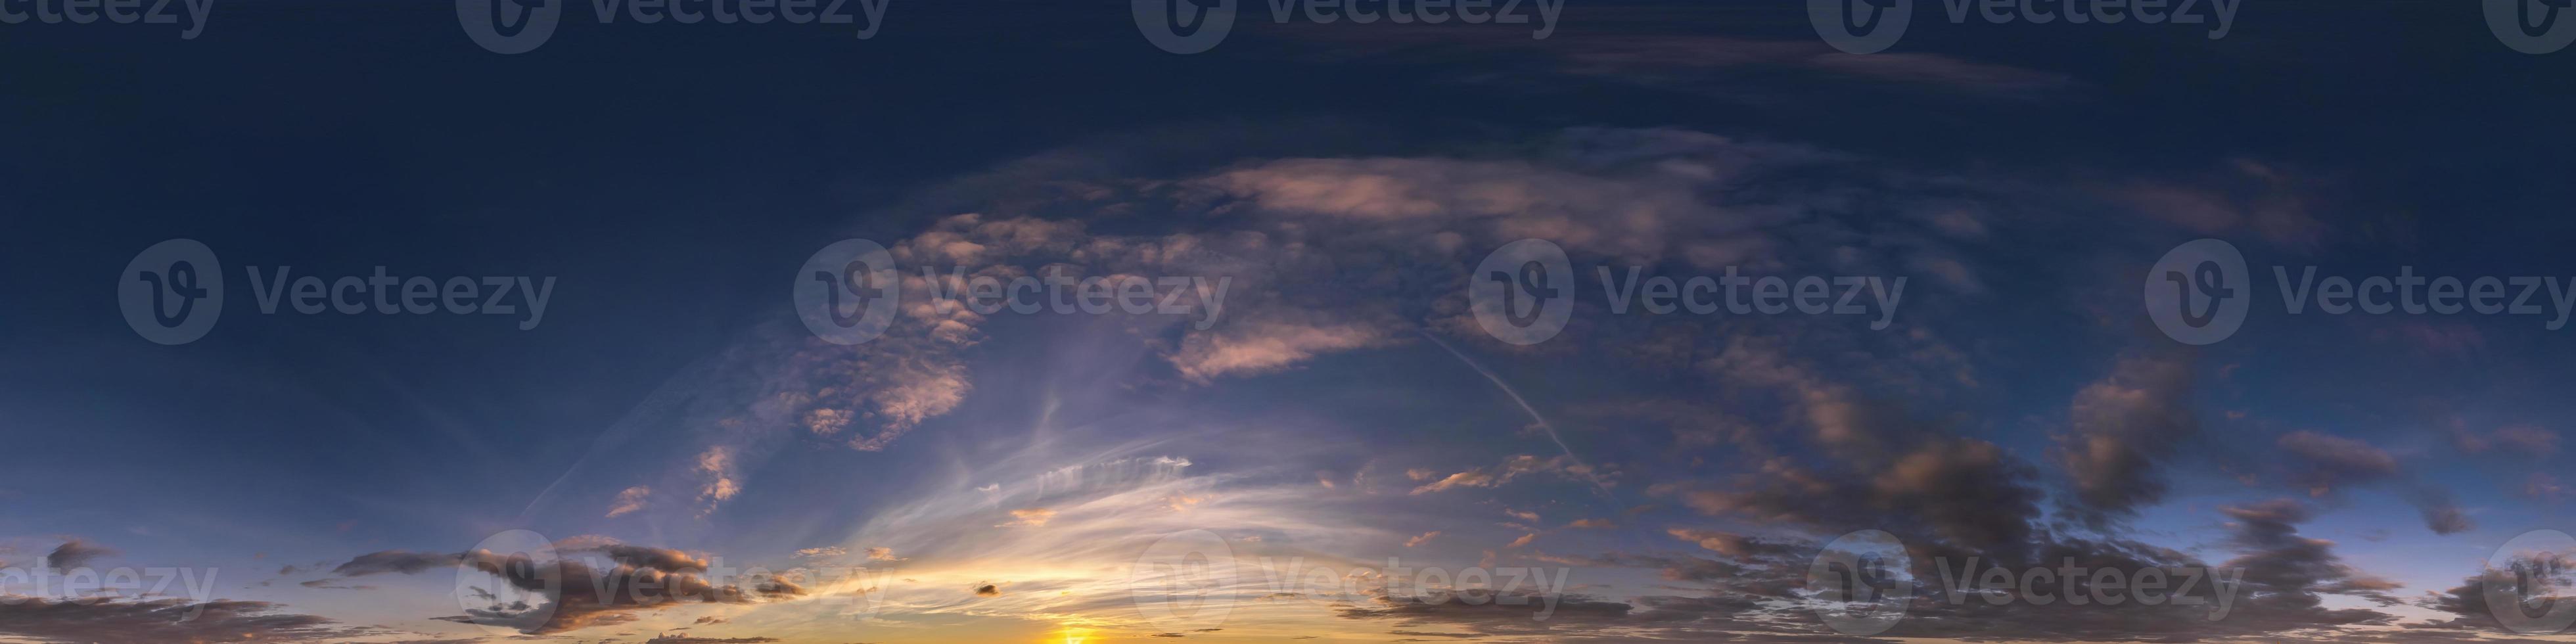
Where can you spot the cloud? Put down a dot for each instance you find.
(1029, 517)
(2441, 515)
(2122, 431)
(2291, 570)
(2543, 487)
(1647, 53)
(2241, 196)
(1421, 538)
(715, 467)
(1731, 544)
(160, 620)
(1340, 255)
(629, 500)
(1267, 345)
(577, 591)
(1488, 613)
(2334, 460)
(2522, 439)
(393, 561)
(1511, 468)
(2535, 576)
(76, 553)
(2324, 463)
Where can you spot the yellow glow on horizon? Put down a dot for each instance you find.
(1074, 635)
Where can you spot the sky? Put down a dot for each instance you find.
(1580, 321)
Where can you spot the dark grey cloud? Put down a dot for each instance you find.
(2535, 578)
(160, 620)
(2323, 464)
(2123, 430)
(76, 553)
(576, 593)
(2327, 461)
